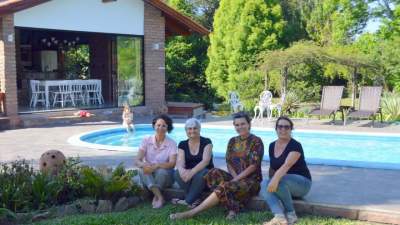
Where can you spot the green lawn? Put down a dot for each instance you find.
(144, 214)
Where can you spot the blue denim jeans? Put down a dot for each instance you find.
(291, 185)
(194, 187)
(160, 178)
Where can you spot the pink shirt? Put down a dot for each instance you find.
(153, 154)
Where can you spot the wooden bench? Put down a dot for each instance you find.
(187, 109)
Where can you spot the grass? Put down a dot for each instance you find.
(144, 214)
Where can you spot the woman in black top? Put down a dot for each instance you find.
(194, 161)
(288, 173)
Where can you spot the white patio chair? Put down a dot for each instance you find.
(77, 91)
(93, 92)
(278, 106)
(63, 94)
(37, 93)
(234, 100)
(263, 105)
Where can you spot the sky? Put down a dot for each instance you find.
(372, 26)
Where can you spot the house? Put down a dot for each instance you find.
(118, 43)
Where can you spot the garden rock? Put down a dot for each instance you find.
(86, 206)
(121, 205)
(133, 201)
(23, 217)
(104, 206)
(67, 210)
(41, 216)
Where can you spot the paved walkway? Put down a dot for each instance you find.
(363, 189)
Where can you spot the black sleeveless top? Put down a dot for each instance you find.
(192, 160)
(299, 168)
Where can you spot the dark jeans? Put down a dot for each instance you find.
(194, 187)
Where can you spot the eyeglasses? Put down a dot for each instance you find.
(286, 127)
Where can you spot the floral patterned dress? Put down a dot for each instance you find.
(241, 153)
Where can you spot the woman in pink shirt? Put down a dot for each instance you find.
(156, 159)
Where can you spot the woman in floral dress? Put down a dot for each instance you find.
(233, 189)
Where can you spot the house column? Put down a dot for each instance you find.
(8, 68)
(154, 58)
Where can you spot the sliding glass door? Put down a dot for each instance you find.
(130, 70)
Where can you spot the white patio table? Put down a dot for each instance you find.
(55, 83)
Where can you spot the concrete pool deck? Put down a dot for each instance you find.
(356, 193)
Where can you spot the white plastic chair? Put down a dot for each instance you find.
(278, 106)
(93, 92)
(64, 94)
(263, 105)
(77, 91)
(234, 100)
(37, 93)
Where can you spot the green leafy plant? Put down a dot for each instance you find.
(291, 103)
(22, 189)
(92, 181)
(120, 184)
(16, 185)
(45, 190)
(6, 214)
(391, 106)
(69, 178)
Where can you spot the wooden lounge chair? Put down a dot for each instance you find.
(370, 98)
(330, 102)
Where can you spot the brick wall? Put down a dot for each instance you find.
(8, 71)
(154, 59)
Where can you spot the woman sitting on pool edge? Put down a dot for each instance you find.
(288, 173)
(156, 159)
(194, 161)
(243, 159)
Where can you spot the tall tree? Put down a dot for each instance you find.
(205, 10)
(331, 22)
(186, 60)
(242, 29)
(295, 28)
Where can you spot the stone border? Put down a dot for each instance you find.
(304, 207)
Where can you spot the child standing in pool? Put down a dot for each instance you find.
(127, 119)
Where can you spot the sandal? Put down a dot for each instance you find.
(177, 201)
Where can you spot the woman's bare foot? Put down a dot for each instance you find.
(154, 202)
(231, 215)
(159, 203)
(178, 216)
(277, 220)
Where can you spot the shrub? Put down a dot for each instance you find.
(391, 106)
(45, 190)
(23, 189)
(16, 185)
(108, 184)
(68, 177)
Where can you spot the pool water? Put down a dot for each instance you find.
(329, 148)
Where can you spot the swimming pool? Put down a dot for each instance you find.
(328, 148)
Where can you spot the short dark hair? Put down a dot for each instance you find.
(166, 119)
(239, 115)
(284, 118)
